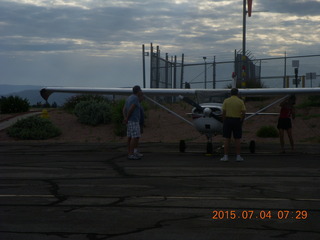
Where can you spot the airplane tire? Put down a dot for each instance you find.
(182, 146)
(209, 148)
(252, 146)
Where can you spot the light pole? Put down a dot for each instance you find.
(244, 16)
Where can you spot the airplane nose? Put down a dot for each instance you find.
(207, 112)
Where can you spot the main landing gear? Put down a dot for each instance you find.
(182, 146)
(252, 146)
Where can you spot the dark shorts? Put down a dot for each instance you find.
(232, 126)
(284, 123)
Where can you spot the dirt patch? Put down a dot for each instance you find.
(161, 126)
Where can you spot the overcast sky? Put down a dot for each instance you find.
(98, 42)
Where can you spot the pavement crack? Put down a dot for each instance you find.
(159, 224)
(54, 190)
(92, 236)
(116, 167)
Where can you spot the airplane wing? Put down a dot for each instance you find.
(47, 91)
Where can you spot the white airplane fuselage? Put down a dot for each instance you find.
(208, 122)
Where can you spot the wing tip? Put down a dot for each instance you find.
(45, 94)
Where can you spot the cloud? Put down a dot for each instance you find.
(82, 32)
(294, 7)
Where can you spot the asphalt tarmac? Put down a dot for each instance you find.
(92, 191)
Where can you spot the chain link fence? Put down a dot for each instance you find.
(275, 72)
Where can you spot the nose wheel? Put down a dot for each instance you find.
(209, 148)
(252, 146)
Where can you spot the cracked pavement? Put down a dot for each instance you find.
(74, 191)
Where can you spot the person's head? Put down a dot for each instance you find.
(292, 99)
(136, 89)
(234, 91)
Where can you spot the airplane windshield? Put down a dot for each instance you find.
(204, 97)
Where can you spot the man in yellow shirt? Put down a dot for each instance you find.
(233, 115)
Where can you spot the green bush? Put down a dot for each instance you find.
(268, 132)
(14, 105)
(71, 102)
(120, 129)
(33, 128)
(311, 101)
(93, 113)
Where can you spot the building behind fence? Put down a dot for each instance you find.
(173, 72)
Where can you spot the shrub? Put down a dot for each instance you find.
(71, 102)
(311, 101)
(120, 129)
(33, 128)
(93, 113)
(268, 132)
(14, 104)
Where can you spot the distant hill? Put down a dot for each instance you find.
(7, 89)
(32, 93)
(34, 97)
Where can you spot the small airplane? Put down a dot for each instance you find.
(207, 117)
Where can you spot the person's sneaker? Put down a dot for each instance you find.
(224, 159)
(133, 157)
(140, 155)
(239, 158)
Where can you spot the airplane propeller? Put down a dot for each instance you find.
(192, 103)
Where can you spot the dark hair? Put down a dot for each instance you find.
(292, 99)
(234, 91)
(136, 89)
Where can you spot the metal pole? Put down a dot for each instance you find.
(205, 72)
(260, 69)
(214, 73)
(166, 70)
(285, 70)
(182, 66)
(205, 75)
(175, 72)
(151, 67)
(235, 66)
(172, 72)
(244, 29)
(270, 105)
(143, 66)
(243, 84)
(167, 109)
(158, 68)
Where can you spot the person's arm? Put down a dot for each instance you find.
(243, 111)
(293, 113)
(282, 104)
(224, 111)
(131, 109)
(243, 114)
(224, 115)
